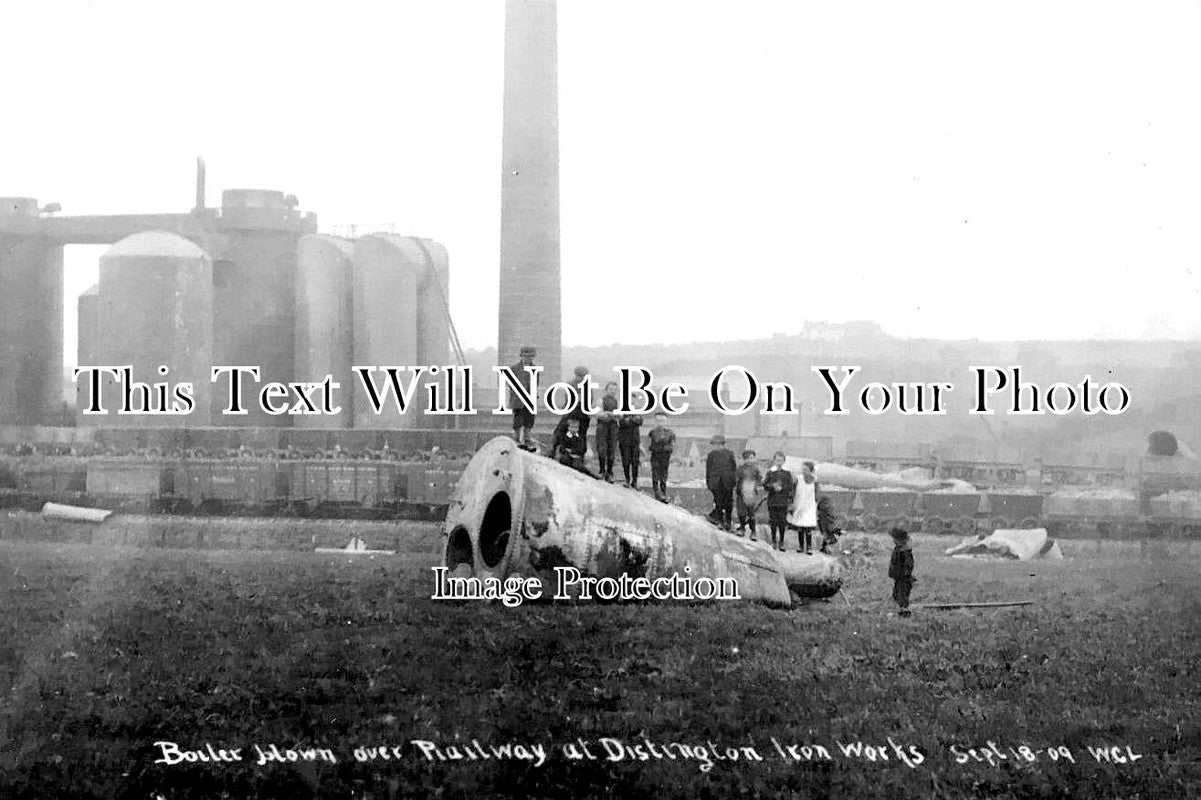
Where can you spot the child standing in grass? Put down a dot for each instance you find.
(900, 569)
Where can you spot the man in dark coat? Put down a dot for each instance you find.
(900, 569)
(720, 471)
(523, 418)
(663, 444)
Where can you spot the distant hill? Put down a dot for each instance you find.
(1164, 378)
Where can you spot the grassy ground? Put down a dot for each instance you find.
(106, 650)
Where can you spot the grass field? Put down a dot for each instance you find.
(105, 651)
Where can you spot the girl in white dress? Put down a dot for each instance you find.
(803, 515)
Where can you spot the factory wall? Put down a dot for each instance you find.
(156, 308)
(31, 332)
(325, 322)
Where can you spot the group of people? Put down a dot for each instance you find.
(792, 504)
(616, 434)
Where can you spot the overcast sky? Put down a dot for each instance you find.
(729, 170)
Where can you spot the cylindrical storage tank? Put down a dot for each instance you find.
(433, 319)
(433, 312)
(156, 308)
(31, 320)
(88, 340)
(387, 272)
(325, 323)
(255, 290)
(517, 513)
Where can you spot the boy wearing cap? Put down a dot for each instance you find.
(580, 381)
(663, 444)
(523, 418)
(577, 414)
(606, 432)
(629, 431)
(748, 479)
(720, 471)
(568, 447)
(780, 486)
(900, 569)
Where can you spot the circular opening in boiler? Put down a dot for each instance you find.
(494, 530)
(458, 549)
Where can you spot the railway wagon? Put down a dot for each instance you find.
(880, 510)
(842, 502)
(947, 512)
(130, 484)
(361, 484)
(28, 482)
(1012, 510)
(1122, 519)
(1174, 517)
(428, 488)
(225, 485)
(51, 478)
(1068, 515)
(433, 485)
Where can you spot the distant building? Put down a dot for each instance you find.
(820, 331)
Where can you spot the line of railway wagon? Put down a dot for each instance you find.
(348, 488)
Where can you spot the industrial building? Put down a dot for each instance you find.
(249, 283)
(254, 283)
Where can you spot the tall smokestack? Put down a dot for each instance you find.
(530, 303)
(199, 183)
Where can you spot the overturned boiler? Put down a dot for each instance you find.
(514, 513)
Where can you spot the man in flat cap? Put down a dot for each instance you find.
(523, 418)
(720, 471)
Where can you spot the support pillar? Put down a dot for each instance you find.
(31, 329)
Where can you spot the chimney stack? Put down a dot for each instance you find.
(530, 300)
